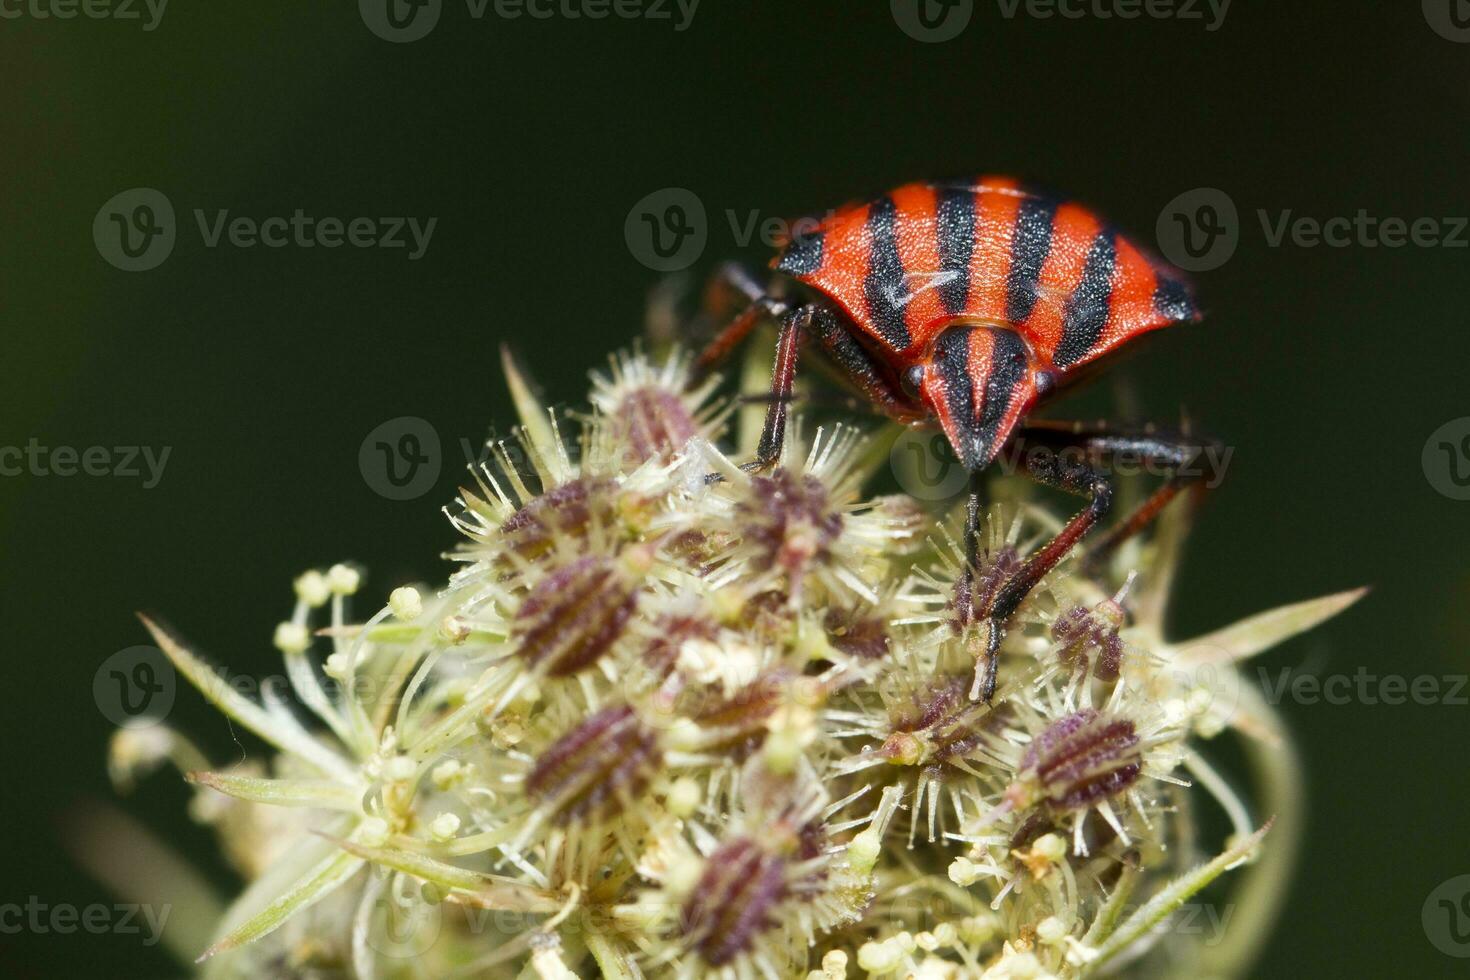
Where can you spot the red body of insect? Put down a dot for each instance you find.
(1041, 286)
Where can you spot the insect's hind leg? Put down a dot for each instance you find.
(1181, 456)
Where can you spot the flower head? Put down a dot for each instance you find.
(673, 718)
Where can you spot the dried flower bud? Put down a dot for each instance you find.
(590, 770)
(569, 509)
(740, 719)
(790, 520)
(938, 723)
(670, 632)
(652, 423)
(1082, 758)
(734, 899)
(574, 615)
(1083, 633)
(857, 635)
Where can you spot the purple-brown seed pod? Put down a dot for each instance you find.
(939, 722)
(567, 509)
(574, 615)
(788, 518)
(591, 769)
(994, 571)
(864, 637)
(652, 423)
(670, 632)
(733, 902)
(1082, 758)
(1080, 632)
(741, 717)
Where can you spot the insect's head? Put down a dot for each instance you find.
(978, 381)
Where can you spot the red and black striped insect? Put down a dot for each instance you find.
(967, 303)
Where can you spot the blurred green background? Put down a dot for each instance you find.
(263, 369)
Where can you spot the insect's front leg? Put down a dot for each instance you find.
(759, 303)
(1076, 476)
(789, 340)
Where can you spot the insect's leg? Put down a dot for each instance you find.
(859, 366)
(759, 303)
(1065, 473)
(783, 375)
(1182, 456)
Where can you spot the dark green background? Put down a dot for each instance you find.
(530, 141)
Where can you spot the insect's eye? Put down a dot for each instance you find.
(1045, 383)
(912, 380)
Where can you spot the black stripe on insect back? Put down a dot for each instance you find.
(803, 254)
(956, 234)
(1008, 366)
(886, 286)
(1172, 300)
(952, 358)
(1030, 245)
(1091, 302)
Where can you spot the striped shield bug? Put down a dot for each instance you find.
(967, 304)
